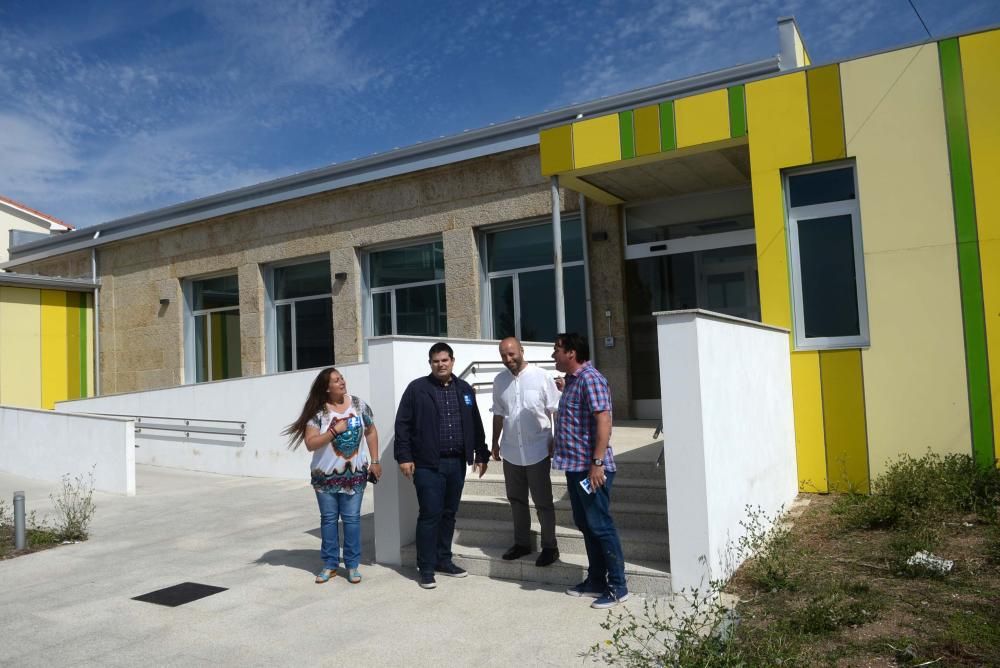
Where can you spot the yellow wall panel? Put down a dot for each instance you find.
(55, 347)
(556, 149)
(981, 77)
(826, 115)
(703, 118)
(596, 141)
(916, 396)
(778, 118)
(91, 378)
(807, 405)
(844, 420)
(647, 130)
(20, 347)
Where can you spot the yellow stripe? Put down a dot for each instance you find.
(73, 359)
(55, 357)
(647, 130)
(556, 148)
(20, 348)
(981, 76)
(844, 420)
(807, 405)
(596, 141)
(702, 118)
(826, 113)
(91, 353)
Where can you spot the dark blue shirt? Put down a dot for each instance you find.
(449, 419)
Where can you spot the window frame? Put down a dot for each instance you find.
(190, 331)
(367, 301)
(793, 216)
(271, 310)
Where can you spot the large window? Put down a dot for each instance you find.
(406, 288)
(827, 262)
(303, 316)
(213, 351)
(521, 281)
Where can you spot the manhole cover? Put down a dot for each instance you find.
(180, 594)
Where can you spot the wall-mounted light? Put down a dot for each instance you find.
(599, 236)
(340, 276)
(164, 301)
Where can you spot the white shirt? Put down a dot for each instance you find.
(525, 401)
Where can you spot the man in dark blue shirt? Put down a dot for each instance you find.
(438, 433)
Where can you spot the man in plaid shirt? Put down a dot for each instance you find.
(583, 450)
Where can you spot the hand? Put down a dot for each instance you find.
(376, 470)
(561, 383)
(596, 476)
(334, 425)
(481, 467)
(406, 468)
(496, 452)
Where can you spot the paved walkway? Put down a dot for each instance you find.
(72, 605)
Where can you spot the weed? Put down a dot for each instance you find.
(834, 609)
(768, 545)
(74, 506)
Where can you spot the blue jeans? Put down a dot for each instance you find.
(438, 494)
(346, 507)
(592, 516)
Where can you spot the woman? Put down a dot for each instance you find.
(331, 425)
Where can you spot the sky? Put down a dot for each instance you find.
(111, 108)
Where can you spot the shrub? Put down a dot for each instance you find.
(74, 507)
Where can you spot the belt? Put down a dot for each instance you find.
(452, 454)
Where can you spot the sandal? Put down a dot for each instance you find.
(325, 575)
(354, 576)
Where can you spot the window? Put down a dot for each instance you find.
(827, 262)
(302, 334)
(406, 288)
(214, 328)
(520, 281)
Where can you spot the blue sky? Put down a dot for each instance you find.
(114, 107)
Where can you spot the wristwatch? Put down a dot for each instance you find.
(597, 462)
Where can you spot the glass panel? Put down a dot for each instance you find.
(690, 216)
(302, 280)
(314, 333)
(729, 280)
(834, 185)
(829, 284)
(216, 292)
(225, 344)
(524, 247)
(420, 311)
(413, 264)
(382, 313)
(283, 329)
(502, 300)
(537, 293)
(576, 301)
(201, 348)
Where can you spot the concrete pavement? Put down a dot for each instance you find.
(72, 605)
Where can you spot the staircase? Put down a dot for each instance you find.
(484, 529)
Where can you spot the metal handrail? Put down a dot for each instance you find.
(472, 366)
(187, 428)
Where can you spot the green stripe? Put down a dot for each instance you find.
(626, 131)
(668, 133)
(737, 112)
(83, 343)
(969, 268)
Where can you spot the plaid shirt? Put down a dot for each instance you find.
(586, 393)
(450, 418)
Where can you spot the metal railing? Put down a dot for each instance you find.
(477, 366)
(186, 426)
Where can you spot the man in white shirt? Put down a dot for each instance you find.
(524, 399)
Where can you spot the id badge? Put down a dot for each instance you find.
(468, 399)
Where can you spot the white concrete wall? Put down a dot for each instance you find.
(46, 445)
(266, 404)
(729, 438)
(394, 363)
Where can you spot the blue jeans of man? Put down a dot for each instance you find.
(592, 516)
(439, 492)
(346, 507)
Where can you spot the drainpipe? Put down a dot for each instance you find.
(557, 258)
(97, 318)
(586, 274)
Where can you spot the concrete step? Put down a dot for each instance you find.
(624, 490)
(637, 544)
(649, 577)
(626, 515)
(626, 469)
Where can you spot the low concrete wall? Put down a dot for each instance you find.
(265, 404)
(46, 445)
(729, 439)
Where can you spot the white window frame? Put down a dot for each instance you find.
(827, 209)
(487, 283)
(190, 313)
(370, 292)
(271, 310)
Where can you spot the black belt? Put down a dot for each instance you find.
(452, 454)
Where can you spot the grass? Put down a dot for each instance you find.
(74, 509)
(834, 588)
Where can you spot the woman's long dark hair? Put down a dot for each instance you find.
(318, 394)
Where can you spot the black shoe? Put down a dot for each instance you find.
(451, 570)
(427, 581)
(516, 552)
(547, 557)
